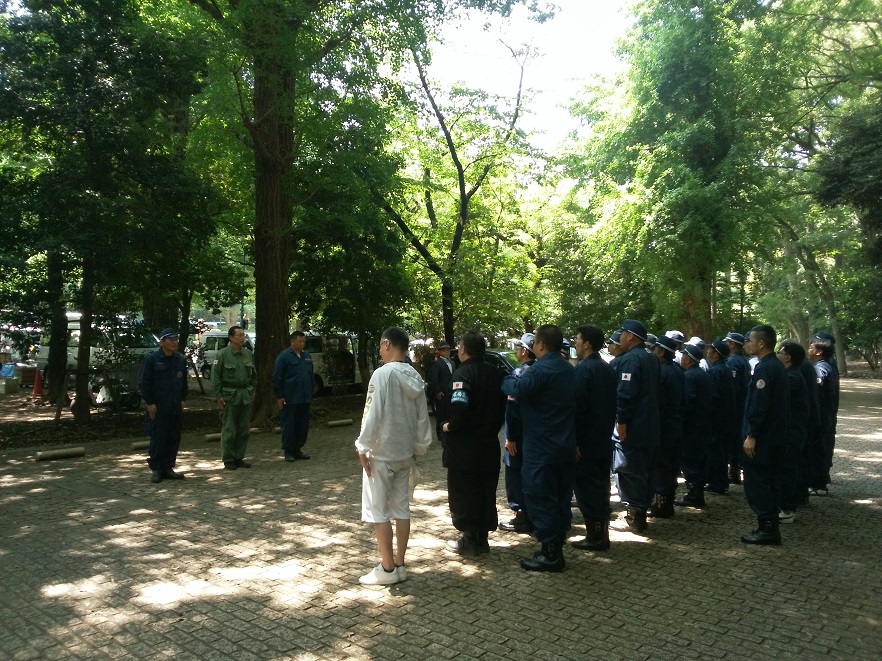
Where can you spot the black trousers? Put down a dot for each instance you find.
(472, 499)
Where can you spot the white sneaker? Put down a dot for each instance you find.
(402, 572)
(379, 576)
(786, 516)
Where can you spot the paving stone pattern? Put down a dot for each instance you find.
(98, 563)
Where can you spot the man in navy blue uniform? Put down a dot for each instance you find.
(821, 354)
(545, 394)
(595, 419)
(512, 457)
(792, 355)
(766, 429)
(439, 384)
(696, 426)
(163, 386)
(471, 446)
(723, 428)
(292, 384)
(672, 385)
(741, 373)
(637, 429)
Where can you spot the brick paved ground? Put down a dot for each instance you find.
(98, 563)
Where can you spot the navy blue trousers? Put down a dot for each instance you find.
(633, 467)
(294, 420)
(165, 439)
(514, 485)
(666, 467)
(693, 461)
(788, 478)
(591, 485)
(548, 489)
(760, 483)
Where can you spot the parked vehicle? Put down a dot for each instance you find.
(212, 342)
(342, 348)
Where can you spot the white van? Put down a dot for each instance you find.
(345, 347)
(212, 342)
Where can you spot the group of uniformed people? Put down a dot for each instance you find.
(663, 406)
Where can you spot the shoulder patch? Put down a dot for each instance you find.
(626, 376)
(820, 380)
(371, 388)
(760, 384)
(457, 385)
(459, 397)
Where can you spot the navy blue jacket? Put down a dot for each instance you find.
(672, 388)
(799, 408)
(545, 394)
(293, 377)
(595, 406)
(767, 413)
(828, 395)
(696, 405)
(723, 421)
(514, 424)
(637, 396)
(811, 385)
(163, 381)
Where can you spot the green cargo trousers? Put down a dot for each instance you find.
(235, 424)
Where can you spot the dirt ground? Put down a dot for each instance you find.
(28, 422)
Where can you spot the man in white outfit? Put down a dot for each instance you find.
(395, 429)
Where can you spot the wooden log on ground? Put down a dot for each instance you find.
(64, 453)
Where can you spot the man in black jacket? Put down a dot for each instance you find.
(471, 446)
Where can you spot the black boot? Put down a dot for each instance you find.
(596, 537)
(734, 475)
(663, 507)
(550, 558)
(467, 544)
(693, 498)
(636, 519)
(520, 523)
(766, 533)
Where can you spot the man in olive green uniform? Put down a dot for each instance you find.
(233, 378)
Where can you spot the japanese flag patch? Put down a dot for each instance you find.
(626, 376)
(457, 385)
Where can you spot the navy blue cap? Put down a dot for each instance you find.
(168, 333)
(667, 343)
(721, 348)
(732, 336)
(614, 338)
(824, 335)
(651, 340)
(565, 348)
(693, 352)
(635, 327)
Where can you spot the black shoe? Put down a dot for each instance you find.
(169, 474)
(297, 455)
(693, 498)
(241, 463)
(156, 476)
(663, 507)
(717, 490)
(290, 457)
(734, 475)
(550, 559)
(636, 519)
(230, 465)
(596, 538)
(520, 523)
(767, 533)
(467, 544)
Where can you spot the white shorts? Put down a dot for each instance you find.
(385, 494)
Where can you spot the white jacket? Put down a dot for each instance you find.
(395, 425)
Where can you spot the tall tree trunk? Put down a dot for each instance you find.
(56, 369)
(272, 132)
(83, 404)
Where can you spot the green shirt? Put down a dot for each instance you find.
(233, 376)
